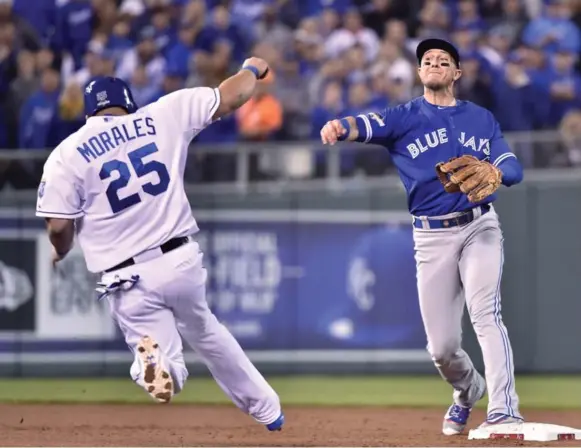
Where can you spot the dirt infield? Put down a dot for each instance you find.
(184, 425)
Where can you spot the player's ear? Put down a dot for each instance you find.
(457, 75)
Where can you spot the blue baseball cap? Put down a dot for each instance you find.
(437, 44)
(107, 91)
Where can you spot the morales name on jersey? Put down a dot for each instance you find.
(111, 139)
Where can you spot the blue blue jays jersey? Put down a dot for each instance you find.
(418, 135)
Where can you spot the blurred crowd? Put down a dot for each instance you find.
(520, 59)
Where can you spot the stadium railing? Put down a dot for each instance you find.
(277, 166)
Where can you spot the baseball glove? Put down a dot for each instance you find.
(475, 178)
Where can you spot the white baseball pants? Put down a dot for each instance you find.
(168, 303)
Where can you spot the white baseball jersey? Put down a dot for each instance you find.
(121, 177)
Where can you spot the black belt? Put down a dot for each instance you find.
(166, 247)
(460, 220)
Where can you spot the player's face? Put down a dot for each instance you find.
(438, 70)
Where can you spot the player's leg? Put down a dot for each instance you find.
(218, 349)
(481, 271)
(441, 305)
(140, 313)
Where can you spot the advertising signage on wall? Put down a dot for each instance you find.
(18, 286)
(66, 303)
(282, 281)
(314, 285)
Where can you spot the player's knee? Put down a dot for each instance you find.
(483, 318)
(484, 326)
(443, 353)
(483, 311)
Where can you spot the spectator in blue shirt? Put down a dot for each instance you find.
(223, 29)
(468, 16)
(434, 20)
(246, 12)
(18, 29)
(144, 91)
(564, 86)
(98, 61)
(511, 19)
(39, 14)
(191, 37)
(144, 54)
(158, 45)
(74, 28)
(535, 62)
(360, 100)
(554, 29)
(464, 38)
(315, 7)
(38, 114)
(119, 43)
(165, 31)
(23, 86)
(520, 103)
(159, 17)
(331, 106)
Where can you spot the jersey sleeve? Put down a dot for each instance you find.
(192, 108)
(503, 158)
(378, 128)
(499, 149)
(59, 192)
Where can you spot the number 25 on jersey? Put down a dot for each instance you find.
(141, 169)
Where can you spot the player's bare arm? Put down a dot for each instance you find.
(61, 233)
(238, 89)
(344, 129)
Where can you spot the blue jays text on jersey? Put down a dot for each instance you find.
(419, 134)
(109, 140)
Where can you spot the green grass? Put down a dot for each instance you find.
(535, 392)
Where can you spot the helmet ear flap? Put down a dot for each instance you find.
(130, 105)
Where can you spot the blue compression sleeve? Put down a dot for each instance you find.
(512, 172)
(364, 129)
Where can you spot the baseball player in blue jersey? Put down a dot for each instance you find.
(117, 186)
(451, 157)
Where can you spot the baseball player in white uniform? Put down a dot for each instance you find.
(117, 185)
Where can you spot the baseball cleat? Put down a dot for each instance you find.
(500, 419)
(455, 420)
(277, 424)
(457, 416)
(158, 381)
